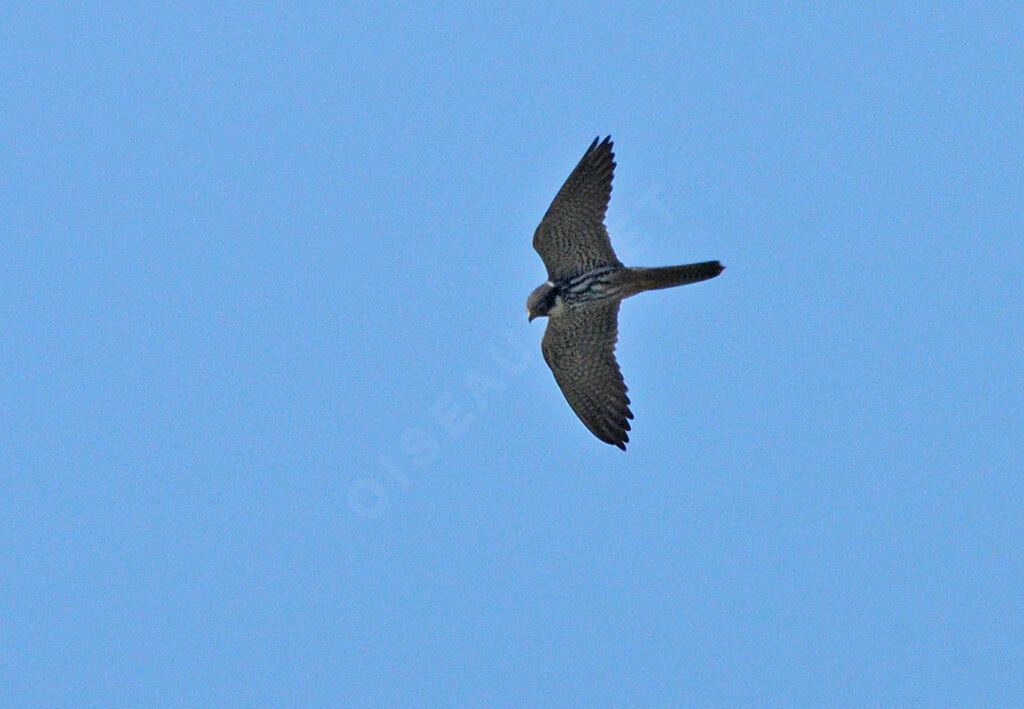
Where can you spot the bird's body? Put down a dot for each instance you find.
(586, 282)
(613, 283)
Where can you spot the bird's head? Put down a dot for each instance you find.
(541, 301)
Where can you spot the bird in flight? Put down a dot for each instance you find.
(586, 282)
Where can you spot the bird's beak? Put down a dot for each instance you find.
(529, 316)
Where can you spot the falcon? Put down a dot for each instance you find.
(586, 282)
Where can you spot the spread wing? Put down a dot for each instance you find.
(572, 237)
(580, 349)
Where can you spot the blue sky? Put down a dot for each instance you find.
(274, 430)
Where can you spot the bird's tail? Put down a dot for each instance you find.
(670, 276)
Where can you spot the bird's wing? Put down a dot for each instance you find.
(580, 349)
(572, 237)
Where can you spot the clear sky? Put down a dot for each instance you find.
(274, 429)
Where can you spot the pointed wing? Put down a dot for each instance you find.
(572, 237)
(580, 349)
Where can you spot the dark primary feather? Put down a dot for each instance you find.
(580, 350)
(572, 237)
